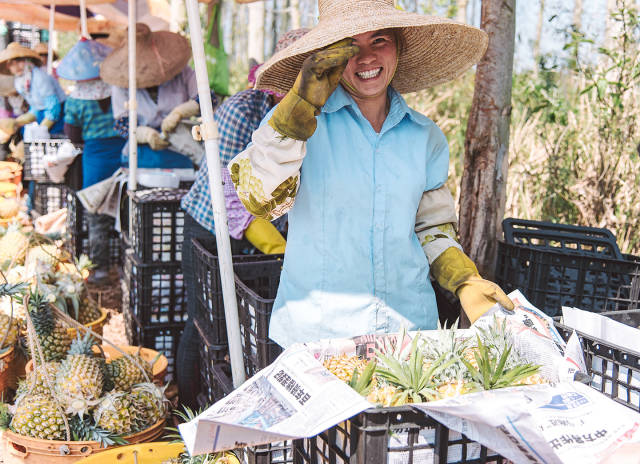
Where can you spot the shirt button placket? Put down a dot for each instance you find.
(378, 228)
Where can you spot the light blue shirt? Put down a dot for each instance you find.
(353, 263)
(44, 94)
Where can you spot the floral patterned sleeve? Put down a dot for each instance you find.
(266, 174)
(436, 222)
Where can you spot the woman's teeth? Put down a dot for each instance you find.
(369, 74)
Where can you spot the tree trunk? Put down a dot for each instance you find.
(484, 180)
(294, 13)
(461, 14)
(536, 44)
(255, 47)
(577, 14)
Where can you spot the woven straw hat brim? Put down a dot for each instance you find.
(153, 67)
(15, 50)
(436, 50)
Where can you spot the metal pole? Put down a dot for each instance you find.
(52, 13)
(84, 32)
(133, 112)
(209, 131)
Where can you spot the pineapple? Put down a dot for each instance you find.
(89, 310)
(385, 395)
(415, 381)
(52, 334)
(344, 366)
(117, 413)
(149, 399)
(38, 417)
(125, 373)
(9, 207)
(13, 246)
(8, 329)
(79, 379)
(493, 371)
(38, 386)
(42, 258)
(83, 429)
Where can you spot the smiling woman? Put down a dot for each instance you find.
(361, 174)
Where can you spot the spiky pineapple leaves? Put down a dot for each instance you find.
(363, 383)
(492, 373)
(84, 429)
(13, 290)
(414, 379)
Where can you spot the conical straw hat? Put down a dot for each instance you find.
(42, 49)
(160, 56)
(15, 50)
(435, 50)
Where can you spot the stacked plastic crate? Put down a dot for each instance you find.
(153, 291)
(48, 196)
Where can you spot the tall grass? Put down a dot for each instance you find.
(573, 155)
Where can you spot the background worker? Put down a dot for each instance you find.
(40, 90)
(89, 120)
(166, 93)
(237, 118)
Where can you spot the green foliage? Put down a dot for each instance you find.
(5, 416)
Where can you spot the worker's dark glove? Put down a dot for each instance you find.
(295, 115)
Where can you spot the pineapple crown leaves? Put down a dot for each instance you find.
(83, 262)
(363, 383)
(82, 344)
(84, 429)
(416, 381)
(396, 348)
(492, 372)
(14, 290)
(186, 415)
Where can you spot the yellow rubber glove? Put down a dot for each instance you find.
(265, 237)
(295, 115)
(180, 112)
(48, 123)
(146, 134)
(455, 272)
(25, 119)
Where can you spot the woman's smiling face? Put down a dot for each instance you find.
(371, 70)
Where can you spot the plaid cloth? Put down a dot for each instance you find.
(237, 118)
(87, 114)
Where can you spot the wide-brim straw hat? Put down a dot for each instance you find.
(15, 50)
(82, 62)
(42, 49)
(160, 56)
(7, 86)
(435, 50)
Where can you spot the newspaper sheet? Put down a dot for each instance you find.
(559, 422)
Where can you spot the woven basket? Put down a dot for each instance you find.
(19, 449)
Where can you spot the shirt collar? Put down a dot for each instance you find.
(398, 109)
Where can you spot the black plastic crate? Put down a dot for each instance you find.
(49, 197)
(390, 435)
(215, 370)
(34, 157)
(552, 279)
(25, 34)
(164, 339)
(158, 225)
(567, 238)
(210, 308)
(255, 297)
(79, 245)
(156, 292)
(615, 371)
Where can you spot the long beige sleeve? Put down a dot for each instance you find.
(266, 174)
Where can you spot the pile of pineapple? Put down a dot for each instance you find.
(76, 387)
(44, 265)
(432, 368)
